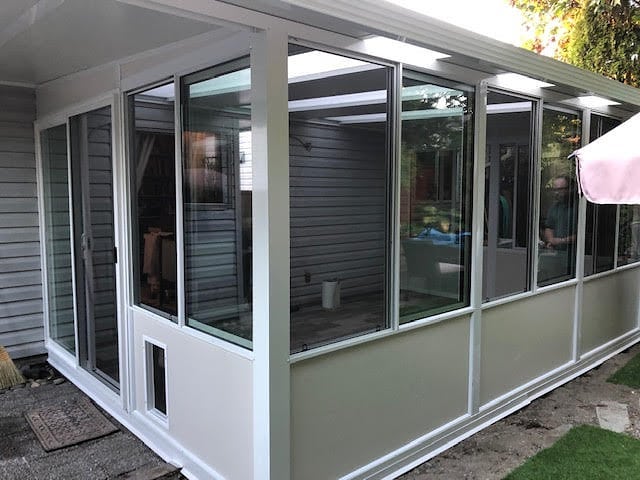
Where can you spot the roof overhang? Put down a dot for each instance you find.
(41, 40)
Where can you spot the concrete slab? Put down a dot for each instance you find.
(613, 416)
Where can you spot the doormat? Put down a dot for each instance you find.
(62, 425)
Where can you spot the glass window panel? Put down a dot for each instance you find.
(508, 192)
(94, 239)
(152, 147)
(435, 197)
(339, 163)
(558, 197)
(629, 234)
(217, 201)
(55, 172)
(601, 219)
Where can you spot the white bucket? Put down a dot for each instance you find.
(330, 294)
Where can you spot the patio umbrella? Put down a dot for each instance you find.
(608, 168)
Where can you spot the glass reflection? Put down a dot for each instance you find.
(217, 201)
(55, 174)
(629, 234)
(558, 197)
(508, 192)
(154, 190)
(600, 234)
(435, 198)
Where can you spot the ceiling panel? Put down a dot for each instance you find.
(12, 9)
(81, 34)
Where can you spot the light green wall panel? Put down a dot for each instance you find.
(610, 306)
(525, 339)
(357, 404)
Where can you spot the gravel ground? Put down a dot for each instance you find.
(119, 455)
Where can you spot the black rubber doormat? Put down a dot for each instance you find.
(65, 424)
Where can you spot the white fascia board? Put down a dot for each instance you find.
(390, 19)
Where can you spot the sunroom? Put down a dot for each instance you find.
(275, 243)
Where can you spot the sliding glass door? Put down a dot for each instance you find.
(94, 239)
(80, 241)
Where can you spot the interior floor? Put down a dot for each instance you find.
(313, 326)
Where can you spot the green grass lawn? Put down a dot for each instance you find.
(629, 374)
(584, 453)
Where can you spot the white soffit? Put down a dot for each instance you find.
(74, 35)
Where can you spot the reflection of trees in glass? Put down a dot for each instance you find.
(445, 112)
(435, 199)
(430, 152)
(433, 141)
(560, 137)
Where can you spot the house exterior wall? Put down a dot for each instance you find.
(21, 319)
(337, 218)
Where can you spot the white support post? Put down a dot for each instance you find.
(475, 334)
(270, 150)
(580, 251)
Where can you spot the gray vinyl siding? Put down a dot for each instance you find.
(213, 230)
(21, 319)
(338, 205)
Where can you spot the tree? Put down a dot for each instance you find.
(547, 22)
(599, 35)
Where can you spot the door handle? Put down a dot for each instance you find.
(85, 242)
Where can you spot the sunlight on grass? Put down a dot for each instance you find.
(629, 374)
(586, 452)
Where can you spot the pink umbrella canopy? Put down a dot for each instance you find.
(609, 168)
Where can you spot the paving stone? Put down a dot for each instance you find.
(166, 471)
(561, 430)
(613, 416)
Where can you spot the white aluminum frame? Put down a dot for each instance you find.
(270, 160)
(477, 250)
